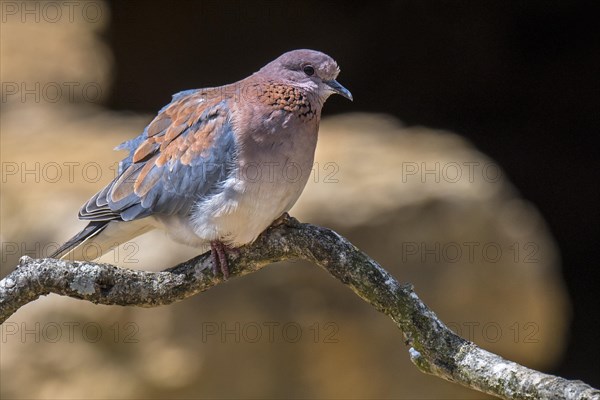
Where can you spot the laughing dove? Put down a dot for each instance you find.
(216, 166)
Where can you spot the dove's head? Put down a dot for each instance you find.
(310, 70)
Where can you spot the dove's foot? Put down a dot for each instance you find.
(218, 253)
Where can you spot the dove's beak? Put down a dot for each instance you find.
(339, 89)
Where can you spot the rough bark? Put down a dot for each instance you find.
(433, 347)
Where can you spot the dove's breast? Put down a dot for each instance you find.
(271, 172)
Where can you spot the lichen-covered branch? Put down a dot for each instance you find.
(433, 348)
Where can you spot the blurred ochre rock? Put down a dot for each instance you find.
(393, 190)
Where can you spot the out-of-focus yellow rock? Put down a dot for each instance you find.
(426, 204)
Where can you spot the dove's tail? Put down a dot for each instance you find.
(98, 238)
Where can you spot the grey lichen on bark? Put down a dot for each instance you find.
(433, 348)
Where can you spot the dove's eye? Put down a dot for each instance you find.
(309, 70)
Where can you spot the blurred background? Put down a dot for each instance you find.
(466, 165)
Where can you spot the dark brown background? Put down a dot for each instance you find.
(519, 79)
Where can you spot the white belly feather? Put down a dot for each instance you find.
(239, 213)
(236, 214)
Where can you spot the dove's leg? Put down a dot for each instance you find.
(218, 253)
(280, 220)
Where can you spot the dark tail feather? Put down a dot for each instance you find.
(93, 228)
